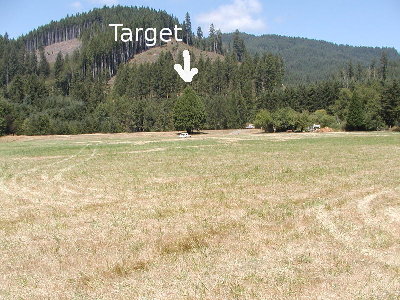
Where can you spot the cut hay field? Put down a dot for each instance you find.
(223, 215)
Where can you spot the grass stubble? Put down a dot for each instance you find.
(223, 215)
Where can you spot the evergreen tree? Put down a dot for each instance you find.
(350, 70)
(44, 67)
(239, 48)
(17, 89)
(32, 63)
(372, 69)
(58, 65)
(359, 72)
(383, 66)
(218, 42)
(35, 89)
(11, 62)
(391, 104)
(199, 33)
(236, 111)
(188, 30)
(189, 113)
(2, 119)
(200, 43)
(212, 38)
(355, 116)
(38, 124)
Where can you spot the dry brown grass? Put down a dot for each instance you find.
(223, 215)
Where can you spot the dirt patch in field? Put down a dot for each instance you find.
(326, 129)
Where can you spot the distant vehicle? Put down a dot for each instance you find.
(250, 126)
(185, 135)
(316, 127)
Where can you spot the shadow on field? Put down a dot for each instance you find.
(193, 133)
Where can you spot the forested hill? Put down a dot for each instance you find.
(305, 60)
(100, 53)
(346, 87)
(308, 60)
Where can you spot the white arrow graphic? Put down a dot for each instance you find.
(186, 73)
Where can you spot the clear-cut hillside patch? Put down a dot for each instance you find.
(66, 47)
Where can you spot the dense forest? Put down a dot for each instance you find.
(308, 60)
(97, 89)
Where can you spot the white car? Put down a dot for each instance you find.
(185, 135)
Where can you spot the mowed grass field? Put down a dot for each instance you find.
(222, 215)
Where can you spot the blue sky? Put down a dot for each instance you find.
(353, 22)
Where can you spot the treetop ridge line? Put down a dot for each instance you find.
(150, 34)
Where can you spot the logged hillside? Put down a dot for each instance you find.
(308, 60)
(176, 49)
(99, 52)
(305, 60)
(67, 47)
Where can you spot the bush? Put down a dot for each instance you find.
(322, 118)
(2, 125)
(6, 117)
(38, 124)
(58, 126)
(285, 119)
(303, 121)
(288, 119)
(264, 120)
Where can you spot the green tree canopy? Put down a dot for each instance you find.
(264, 120)
(391, 104)
(355, 115)
(3, 114)
(44, 66)
(189, 113)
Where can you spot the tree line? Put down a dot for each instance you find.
(75, 95)
(307, 60)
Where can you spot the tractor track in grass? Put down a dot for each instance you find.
(15, 189)
(350, 238)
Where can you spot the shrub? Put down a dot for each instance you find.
(322, 118)
(285, 119)
(38, 124)
(303, 120)
(264, 120)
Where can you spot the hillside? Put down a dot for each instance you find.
(305, 60)
(175, 48)
(308, 60)
(148, 56)
(65, 47)
(99, 52)
(72, 95)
